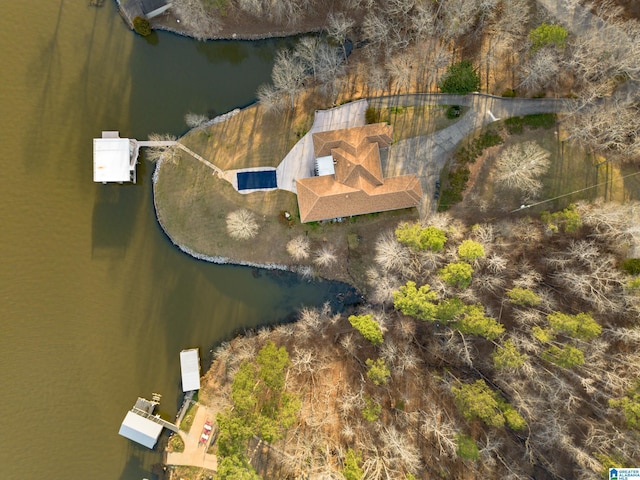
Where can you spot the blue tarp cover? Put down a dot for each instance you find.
(255, 180)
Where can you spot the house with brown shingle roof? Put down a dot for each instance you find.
(349, 177)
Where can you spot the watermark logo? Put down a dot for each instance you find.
(624, 474)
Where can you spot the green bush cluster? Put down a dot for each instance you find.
(352, 469)
(547, 35)
(142, 26)
(474, 322)
(261, 407)
(456, 274)
(460, 78)
(630, 406)
(176, 444)
(378, 371)
(568, 220)
(566, 356)
(470, 250)
(523, 297)
(453, 111)
(416, 302)
(418, 238)
(515, 125)
(506, 356)
(372, 409)
(458, 176)
(478, 401)
(631, 266)
(372, 115)
(466, 447)
(368, 327)
(581, 325)
(469, 319)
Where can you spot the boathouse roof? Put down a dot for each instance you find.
(111, 159)
(140, 429)
(190, 368)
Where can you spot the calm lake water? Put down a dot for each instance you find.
(96, 302)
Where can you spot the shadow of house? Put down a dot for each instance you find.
(349, 177)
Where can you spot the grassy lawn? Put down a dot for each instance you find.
(409, 122)
(572, 170)
(192, 205)
(176, 444)
(254, 137)
(187, 421)
(243, 140)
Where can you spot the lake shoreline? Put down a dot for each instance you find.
(169, 22)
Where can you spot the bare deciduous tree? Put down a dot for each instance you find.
(458, 16)
(338, 28)
(298, 247)
(423, 21)
(609, 125)
(195, 120)
(542, 69)
(400, 69)
(242, 224)
(390, 254)
(270, 97)
(169, 153)
(288, 74)
(325, 257)
(375, 28)
(307, 50)
(520, 166)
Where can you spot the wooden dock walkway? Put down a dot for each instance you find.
(156, 143)
(201, 159)
(156, 419)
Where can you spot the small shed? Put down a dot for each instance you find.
(114, 159)
(140, 429)
(190, 368)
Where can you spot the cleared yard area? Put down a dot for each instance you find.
(572, 170)
(192, 203)
(192, 206)
(253, 137)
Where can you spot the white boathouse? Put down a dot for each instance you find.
(140, 429)
(190, 369)
(114, 158)
(142, 426)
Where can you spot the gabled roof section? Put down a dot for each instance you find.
(358, 186)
